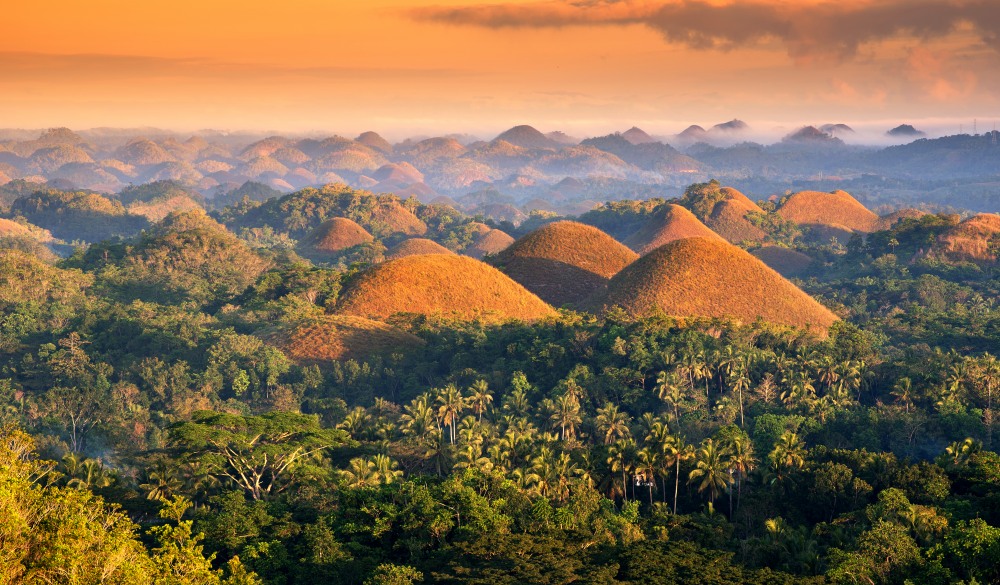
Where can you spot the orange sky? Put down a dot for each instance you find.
(460, 65)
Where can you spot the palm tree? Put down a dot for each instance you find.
(361, 473)
(387, 469)
(668, 387)
(742, 462)
(710, 468)
(356, 422)
(612, 424)
(902, 391)
(741, 383)
(516, 403)
(647, 464)
(620, 458)
(788, 452)
(418, 418)
(658, 439)
(451, 403)
(567, 416)
(480, 398)
(677, 451)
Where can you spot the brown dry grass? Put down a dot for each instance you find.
(490, 242)
(976, 239)
(439, 284)
(729, 219)
(415, 247)
(564, 262)
(887, 221)
(785, 261)
(711, 278)
(12, 228)
(669, 223)
(335, 235)
(834, 209)
(337, 338)
(398, 218)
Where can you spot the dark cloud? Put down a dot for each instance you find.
(834, 29)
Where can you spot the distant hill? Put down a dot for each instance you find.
(564, 262)
(702, 277)
(652, 156)
(905, 131)
(527, 137)
(887, 221)
(668, 223)
(731, 126)
(330, 338)
(373, 140)
(836, 209)
(637, 136)
(438, 284)
(811, 135)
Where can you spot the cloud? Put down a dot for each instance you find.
(809, 31)
(939, 76)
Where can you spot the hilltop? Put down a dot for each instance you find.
(706, 277)
(527, 137)
(337, 338)
(564, 262)
(724, 210)
(439, 284)
(837, 209)
(335, 235)
(491, 241)
(670, 222)
(416, 247)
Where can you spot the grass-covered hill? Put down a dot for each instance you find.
(335, 235)
(666, 224)
(331, 338)
(708, 277)
(976, 239)
(303, 211)
(415, 247)
(836, 209)
(564, 262)
(440, 284)
(78, 216)
(186, 257)
(490, 241)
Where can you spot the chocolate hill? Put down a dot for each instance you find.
(415, 247)
(706, 277)
(491, 241)
(335, 235)
(439, 284)
(564, 262)
(785, 261)
(336, 338)
(670, 222)
(830, 209)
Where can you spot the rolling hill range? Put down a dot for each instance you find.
(443, 285)
(564, 262)
(708, 277)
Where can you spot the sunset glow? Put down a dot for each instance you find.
(467, 66)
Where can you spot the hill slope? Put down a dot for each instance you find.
(976, 239)
(492, 241)
(336, 338)
(670, 222)
(564, 262)
(439, 284)
(710, 278)
(415, 247)
(830, 209)
(335, 235)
